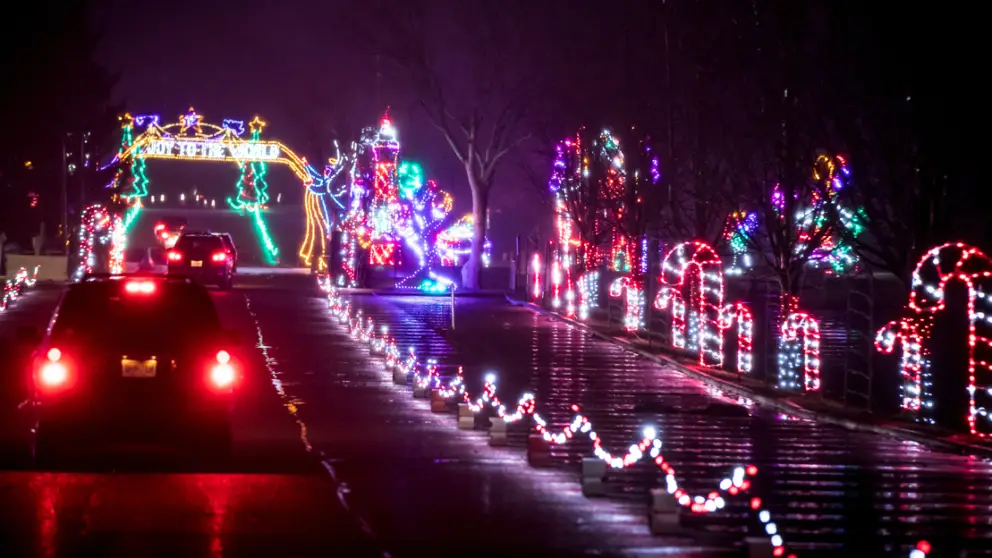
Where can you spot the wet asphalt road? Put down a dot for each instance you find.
(832, 492)
(333, 459)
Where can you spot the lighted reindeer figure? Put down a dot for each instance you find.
(633, 294)
(908, 334)
(696, 319)
(957, 261)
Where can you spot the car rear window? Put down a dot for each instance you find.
(199, 244)
(173, 317)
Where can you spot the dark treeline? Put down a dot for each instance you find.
(52, 91)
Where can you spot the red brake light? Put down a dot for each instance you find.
(53, 372)
(175, 256)
(219, 256)
(139, 287)
(222, 374)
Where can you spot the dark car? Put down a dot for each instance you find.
(134, 360)
(203, 257)
(231, 249)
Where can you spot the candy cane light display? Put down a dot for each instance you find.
(633, 294)
(696, 319)
(942, 264)
(908, 334)
(799, 347)
(740, 313)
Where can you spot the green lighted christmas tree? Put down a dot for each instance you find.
(252, 188)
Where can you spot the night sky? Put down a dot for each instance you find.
(236, 60)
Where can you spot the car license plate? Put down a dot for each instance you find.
(196, 263)
(138, 368)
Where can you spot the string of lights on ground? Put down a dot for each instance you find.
(424, 375)
(15, 286)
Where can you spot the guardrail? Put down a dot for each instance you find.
(14, 287)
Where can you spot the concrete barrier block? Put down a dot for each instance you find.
(664, 513)
(438, 403)
(759, 547)
(420, 392)
(399, 376)
(538, 451)
(497, 431)
(593, 477)
(466, 418)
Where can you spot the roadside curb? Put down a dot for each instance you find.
(789, 407)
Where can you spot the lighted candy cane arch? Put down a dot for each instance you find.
(799, 347)
(908, 333)
(633, 294)
(745, 333)
(947, 262)
(696, 324)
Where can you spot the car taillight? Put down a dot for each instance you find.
(139, 287)
(175, 256)
(53, 372)
(222, 373)
(219, 256)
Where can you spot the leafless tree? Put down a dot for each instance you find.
(781, 139)
(476, 97)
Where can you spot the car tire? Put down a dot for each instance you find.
(226, 283)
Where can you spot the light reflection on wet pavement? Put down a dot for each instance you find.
(831, 491)
(421, 485)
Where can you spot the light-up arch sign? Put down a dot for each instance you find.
(191, 139)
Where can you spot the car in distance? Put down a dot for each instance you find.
(203, 257)
(133, 360)
(168, 230)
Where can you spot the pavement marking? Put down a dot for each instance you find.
(341, 488)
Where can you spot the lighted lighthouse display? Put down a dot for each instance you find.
(397, 219)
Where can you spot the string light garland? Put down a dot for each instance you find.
(735, 484)
(942, 264)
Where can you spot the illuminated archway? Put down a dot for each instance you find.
(191, 139)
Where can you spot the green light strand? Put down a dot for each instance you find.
(271, 251)
(131, 216)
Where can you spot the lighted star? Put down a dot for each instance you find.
(126, 119)
(190, 120)
(257, 124)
